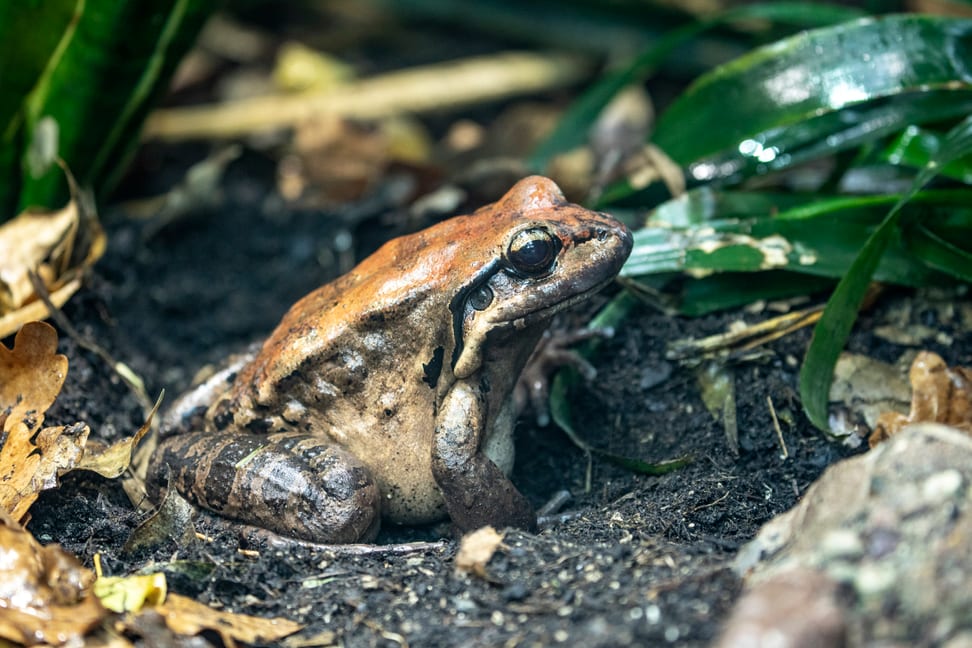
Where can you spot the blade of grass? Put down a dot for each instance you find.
(831, 332)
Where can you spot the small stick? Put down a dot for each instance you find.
(440, 86)
(555, 503)
(361, 549)
(776, 425)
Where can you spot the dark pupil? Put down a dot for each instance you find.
(532, 252)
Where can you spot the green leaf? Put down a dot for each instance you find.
(760, 96)
(830, 333)
(572, 129)
(708, 231)
(815, 94)
(94, 67)
(697, 297)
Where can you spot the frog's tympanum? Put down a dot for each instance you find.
(386, 393)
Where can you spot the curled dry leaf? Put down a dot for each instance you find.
(476, 549)
(172, 519)
(939, 394)
(45, 593)
(57, 246)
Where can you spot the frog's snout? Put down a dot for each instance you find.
(616, 238)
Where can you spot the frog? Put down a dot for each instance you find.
(386, 394)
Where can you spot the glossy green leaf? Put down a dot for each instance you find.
(817, 93)
(94, 67)
(708, 231)
(573, 128)
(759, 97)
(830, 333)
(695, 297)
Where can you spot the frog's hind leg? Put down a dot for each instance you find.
(295, 485)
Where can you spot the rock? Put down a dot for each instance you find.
(894, 527)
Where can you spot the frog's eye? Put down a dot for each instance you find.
(533, 251)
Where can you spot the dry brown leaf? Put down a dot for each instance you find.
(476, 549)
(56, 246)
(939, 394)
(31, 375)
(188, 617)
(45, 593)
(172, 519)
(33, 240)
(336, 161)
(34, 457)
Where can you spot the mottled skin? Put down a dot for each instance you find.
(386, 393)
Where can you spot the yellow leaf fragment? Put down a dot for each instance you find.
(45, 593)
(476, 549)
(939, 394)
(130, 593)
(301, 68)
(186, 616)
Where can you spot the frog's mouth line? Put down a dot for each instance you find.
(522, 321)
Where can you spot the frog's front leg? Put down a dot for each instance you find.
(476, 491)
(295, 485)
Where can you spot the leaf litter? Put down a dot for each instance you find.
(46, 594)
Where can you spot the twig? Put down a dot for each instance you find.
(555, 503)
(776, 425)
(123, 371)
(432, 87)
(360, 549)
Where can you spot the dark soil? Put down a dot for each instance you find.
(639, 559)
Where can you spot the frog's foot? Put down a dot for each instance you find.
(552, 352)
(293, 485)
